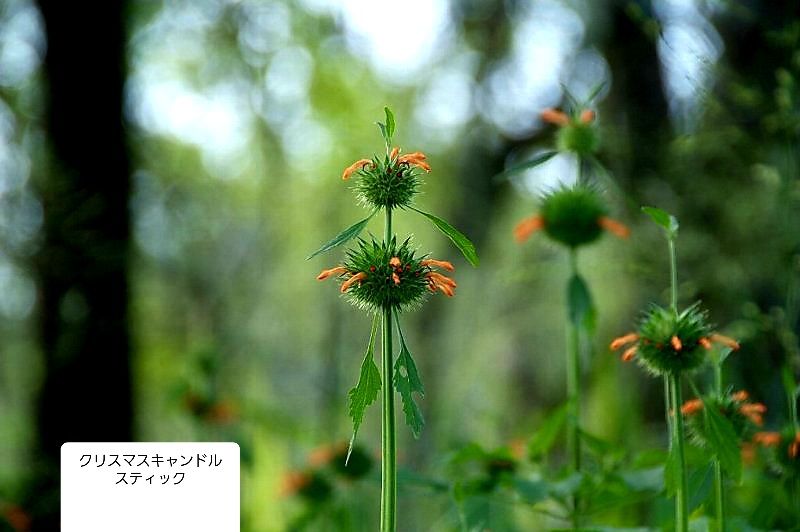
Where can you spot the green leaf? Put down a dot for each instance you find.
(789, 385)
(724, 353)
(545, 437)
(389, 122)
(723, 440)
(348, 234)
(384, 133)
(366, 391)
(661, 217)
(407, 382)
(531, 491)
(527, 165)
(581, 307)
(595, 91)
(464, 245)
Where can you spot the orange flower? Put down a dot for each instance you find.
(741, 396)
(415, 159)
(355, 167)
(753, 412)
(629, 353)
(293, 481)
(437, 281)
(614, 227)
(691, 407)
(587, 116)
(395, 152)
(357, 278)
(623, 340)
(554, 116)
(324, 274)
(724, 340)
(794, 447)
(676, 343)
(443, 264)
(705, 342)
(527, 227)
(767, 439)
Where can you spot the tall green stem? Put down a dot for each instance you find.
(719, 479)
(681, 497)
(676, 427)
(573, 390)
(388, 431)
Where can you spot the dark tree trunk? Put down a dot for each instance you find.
(83, 263)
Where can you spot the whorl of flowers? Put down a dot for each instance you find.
(786, 444)
(573, 216)
(745, 416)
(390, 181)
(576, 132)
(670, 343)
(375, 276)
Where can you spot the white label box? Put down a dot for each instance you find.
(152, 487)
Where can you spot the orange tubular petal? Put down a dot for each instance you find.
(357, 278)
(443, 264)
(676, 343)
(767, 439)
(554, 116)
(757, 408)
(623, 340)
(691, 407)
(629, 353)
(705, 342)
(724, 340)
(394, 262)
(614, 227)
(324, 274)
(740, 396)
(527, 227)
(417, 156)
(394, 154)
(587, 116)
(355, 167)
(396, 278)
(438, 278)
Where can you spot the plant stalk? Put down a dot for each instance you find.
(573, 392)
(388, 429)
(681, 496)
(719, 479)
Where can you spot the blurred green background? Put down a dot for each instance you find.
(166, 167)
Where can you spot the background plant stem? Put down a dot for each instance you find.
(573, 391)
(719, 479)
(388, 431)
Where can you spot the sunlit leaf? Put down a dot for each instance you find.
(661, 217)
(407, 382)
(544, 438)
(348, 234)
(389, 123)
(531, 491)
(464, 245)
(527, 165)
(366, 391)
(581, 307)
(723, 440)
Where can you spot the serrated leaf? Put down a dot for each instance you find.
(348, 234)
(366, 390)
(407, 383)
(661, 217)
(581, 307)
(527, 165)
(723, 440)
(389, 122)
(464, 245)
(544, 438)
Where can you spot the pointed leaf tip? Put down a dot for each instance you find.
(464, 244)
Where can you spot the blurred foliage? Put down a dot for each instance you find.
(241, 117)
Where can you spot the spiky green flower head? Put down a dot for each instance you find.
(745, 417)
(379, 275)
(388, 181)
(577, 132)
(572, 216)
(670, 343)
